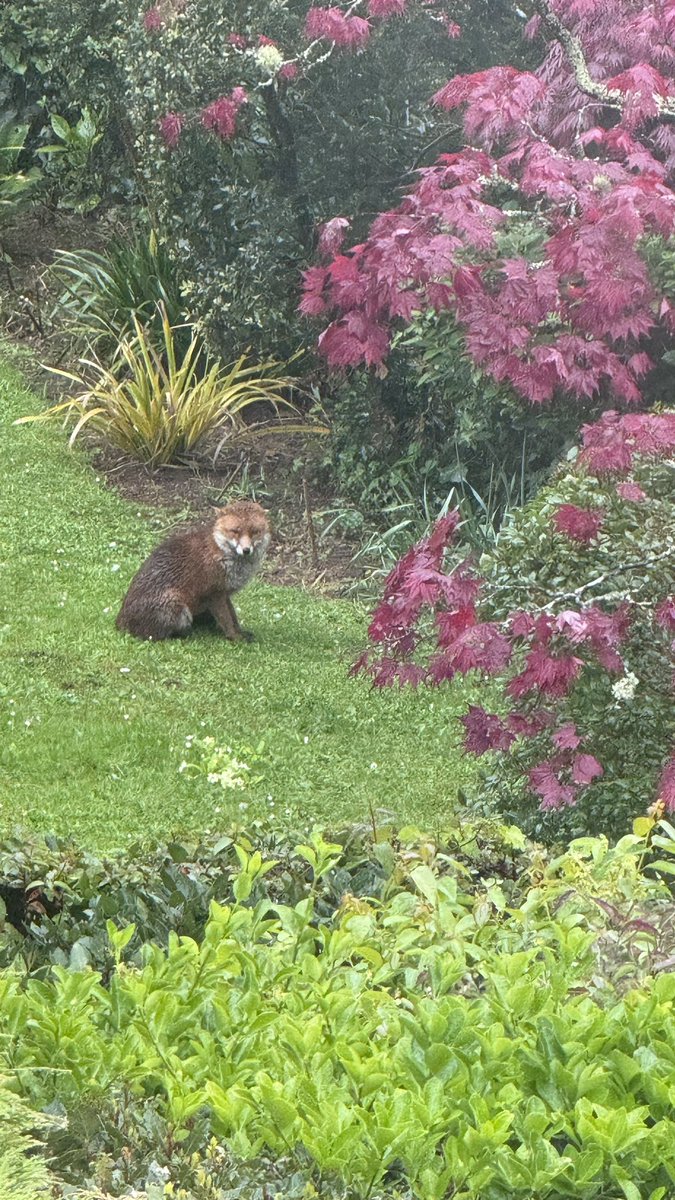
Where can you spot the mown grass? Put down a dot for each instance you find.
(93, 723)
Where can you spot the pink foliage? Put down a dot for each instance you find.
(170, 128)
(485, 731)
(630, 491)
(386, 8)
(580, 524)
(221, 114)
(433, 624)
(333, 25)
(331, 236)
(153, 20)
(573, 317)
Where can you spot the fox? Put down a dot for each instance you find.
(194, 573)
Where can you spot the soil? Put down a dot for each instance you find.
(281, 472)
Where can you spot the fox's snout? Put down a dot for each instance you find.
(244, 546)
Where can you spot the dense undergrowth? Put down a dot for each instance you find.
(407, 1016)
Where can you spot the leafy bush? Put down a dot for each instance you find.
(160, 406)
(451, 1035)
(238, 148)
(16, 185)
(69, 160)
(23, 1168)
(102, 293)
(65, 66)
(574, 612)
(436, 421)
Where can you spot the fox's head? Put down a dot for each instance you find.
(242, 529)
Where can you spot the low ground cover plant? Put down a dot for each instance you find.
(454, 1033)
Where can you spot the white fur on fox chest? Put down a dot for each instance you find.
(240, 568)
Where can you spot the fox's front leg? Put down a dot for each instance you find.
(223, 611)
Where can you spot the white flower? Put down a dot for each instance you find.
(269, 58)
(624, 689)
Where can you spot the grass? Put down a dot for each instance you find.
(93, 723)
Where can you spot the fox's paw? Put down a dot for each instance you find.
(247, 635)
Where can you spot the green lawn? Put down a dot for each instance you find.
(93, 723)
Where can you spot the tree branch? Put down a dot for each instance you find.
(584, 80)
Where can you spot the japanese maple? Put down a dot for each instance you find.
(575, 161)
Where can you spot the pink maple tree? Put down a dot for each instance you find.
(436, 621)
(576, 159)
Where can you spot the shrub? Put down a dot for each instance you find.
(450, 1035)
(435, 421)
(16, 185)
(574, 611)
(237, 150)
(23, 1168)
(69, 162)
(65, 67)
(159, 406)
(102, 293)
(534, 236)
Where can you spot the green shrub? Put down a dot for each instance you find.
(436, 422)
(24, 1174)
(65, 66)
(628, 720)
(75, 184)
(16, 185)
(101, 293)
(452, 1034)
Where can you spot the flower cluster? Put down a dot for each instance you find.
(221, 114)
(219, 765)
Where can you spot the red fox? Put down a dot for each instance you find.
(195, 572)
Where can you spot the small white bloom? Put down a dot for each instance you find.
(624, 689)
(115, 567)
(269, 58)
(124, 670)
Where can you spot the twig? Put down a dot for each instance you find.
(311, 531)
(592, 583)
(585, 82)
